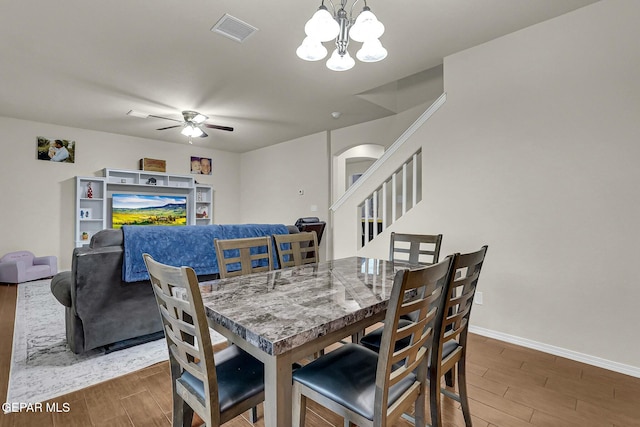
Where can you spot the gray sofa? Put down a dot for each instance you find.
(101, 309)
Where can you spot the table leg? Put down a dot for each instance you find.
(277, 391)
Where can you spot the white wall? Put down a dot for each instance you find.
(383, 131)
(272, 176)
(340, 163)
(535, 153)
(38, 197)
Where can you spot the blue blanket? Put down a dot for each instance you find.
(190, 245)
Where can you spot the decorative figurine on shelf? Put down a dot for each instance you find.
(199, 196)
(204, 214)
(151, 181)
(89, 191)
(85, 235)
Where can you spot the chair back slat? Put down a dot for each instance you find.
(238, 257)
(416, 249)
(419, 292)
(296, 249)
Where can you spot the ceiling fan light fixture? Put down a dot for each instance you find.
(193, 117)
(199, 118)
(191, 130)
(192, 124)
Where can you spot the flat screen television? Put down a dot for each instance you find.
(139, 209)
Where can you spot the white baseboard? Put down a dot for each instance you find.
(634, 371)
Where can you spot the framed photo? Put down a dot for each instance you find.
(85, 213)
(201, 165)
(55, 150)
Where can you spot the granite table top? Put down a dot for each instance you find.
(280, 310)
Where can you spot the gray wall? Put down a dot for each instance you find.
(535, 153)
(38, 197)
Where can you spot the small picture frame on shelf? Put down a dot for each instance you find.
(201, 212)
(85, 213)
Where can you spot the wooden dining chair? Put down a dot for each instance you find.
(217, 387)
(419, 249)
(414, 249)
(237, 257)
(297, 248)
(450, 345)
(368, 388)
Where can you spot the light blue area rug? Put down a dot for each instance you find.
(43, 367)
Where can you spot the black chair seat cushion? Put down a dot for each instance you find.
(449, 347)
(240, 376)
(372, 340)
(347, 376)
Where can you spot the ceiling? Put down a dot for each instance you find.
(85, 64)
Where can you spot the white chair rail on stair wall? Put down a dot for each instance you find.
(383, 194)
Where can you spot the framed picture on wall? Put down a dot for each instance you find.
(201, 165)
(55, 150)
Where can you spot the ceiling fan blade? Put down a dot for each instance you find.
(165, 118)
(170, 127)
(204, 134)
(227, 128)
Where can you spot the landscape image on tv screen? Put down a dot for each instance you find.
(137, 209)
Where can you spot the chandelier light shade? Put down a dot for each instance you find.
(311, 50)
(322, 26)
(339, 62)
(371, 51)
(342, 27)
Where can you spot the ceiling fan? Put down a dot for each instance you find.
(191, 125)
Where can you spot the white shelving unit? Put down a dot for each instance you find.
(203, 204)
(199, 197)
(148, 179)
(90, 208)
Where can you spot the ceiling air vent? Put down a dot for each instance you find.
(233, 28)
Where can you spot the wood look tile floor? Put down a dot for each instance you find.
(509, 386)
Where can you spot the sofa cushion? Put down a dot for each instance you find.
(108, 237)
(61, 287)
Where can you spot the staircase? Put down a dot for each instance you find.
(393, 190)
(392, 199)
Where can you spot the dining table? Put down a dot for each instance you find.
(283, 316)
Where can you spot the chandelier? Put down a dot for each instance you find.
(341, 26)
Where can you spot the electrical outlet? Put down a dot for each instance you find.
(477, 298)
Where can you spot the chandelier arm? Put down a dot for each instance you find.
(354, 5)
(333, 7)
